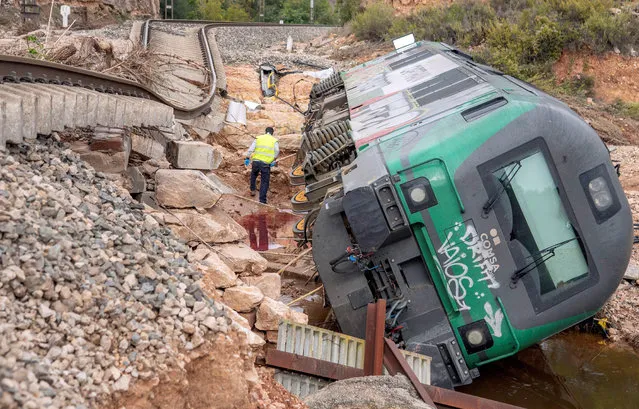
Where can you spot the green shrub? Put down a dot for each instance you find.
(626, 109)
(374, 22)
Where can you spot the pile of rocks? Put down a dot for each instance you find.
(94, 293)
(233, 273)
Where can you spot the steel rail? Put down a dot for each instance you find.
(28, 70)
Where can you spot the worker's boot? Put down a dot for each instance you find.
(252, 193)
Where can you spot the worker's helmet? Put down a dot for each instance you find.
(269, 130)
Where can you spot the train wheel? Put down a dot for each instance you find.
(296, 176)
(300, 202)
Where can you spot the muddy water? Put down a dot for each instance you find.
(269, 229)
(569, 371)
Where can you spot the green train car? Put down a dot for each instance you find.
(487, 213)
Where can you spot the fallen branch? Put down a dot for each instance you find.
(305, 295)
(299, 256)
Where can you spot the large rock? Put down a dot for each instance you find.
(217, 182)
(290, 142)
(146, 146)
(193, 155)
(216, 272)
(108, 151)
(271, 312)
(214, 226)
(185, 188)
(242, 259)
(136, 180)
(269, 283)
(632, 272)
(243, 298)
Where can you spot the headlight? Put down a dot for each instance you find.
(600, 193)
(419, 194)
(476, 336)
(601, 196)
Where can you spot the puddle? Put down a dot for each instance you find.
(269, 229)
(569, 371)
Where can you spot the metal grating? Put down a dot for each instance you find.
(334, 347)
(298, 384)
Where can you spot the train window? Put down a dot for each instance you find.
(541, 224)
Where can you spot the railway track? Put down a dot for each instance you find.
(33, 88)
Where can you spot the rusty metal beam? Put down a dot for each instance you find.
(374, 347)
(315, 367)
(397, 363)
(312, 366)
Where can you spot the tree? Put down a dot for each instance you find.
(212, 10)
(235, 12)
(299, 12)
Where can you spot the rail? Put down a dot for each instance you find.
(28, 70)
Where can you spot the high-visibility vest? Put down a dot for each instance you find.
(264, 148)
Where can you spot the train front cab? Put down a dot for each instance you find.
(532, 237)
(491, 235)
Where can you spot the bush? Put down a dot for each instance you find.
(463, 23)
(374, 22)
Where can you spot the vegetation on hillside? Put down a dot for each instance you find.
(289, 11)
(521, 37)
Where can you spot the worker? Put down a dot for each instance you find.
(263, 151)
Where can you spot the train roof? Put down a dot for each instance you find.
(426, 81)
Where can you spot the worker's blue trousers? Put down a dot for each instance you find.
(264, 170)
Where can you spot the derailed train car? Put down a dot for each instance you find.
(486, 213)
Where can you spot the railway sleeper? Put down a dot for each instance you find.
(27, 110)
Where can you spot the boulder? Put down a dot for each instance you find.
(146, 146)
(290, 142)
(270, 313)
(217, 272)
(107, 151)
(269, 283)
(137, 181)
(214, 226)
(242, 259)
(244, 298)
(298, 317)
(185, 188)
(271, 336)
(198, 254)
(237, 318)
(632, 272)
(217, 182)
(193, 155)
(252, 339)
(250, 317)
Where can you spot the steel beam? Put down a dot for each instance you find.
(443, 398)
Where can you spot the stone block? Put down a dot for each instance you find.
(146, 146)
(185, 188)
(269, 283)
(216, 272)
(242, 259)
(214, 226)
(137, 181)
(244, 298)
(193, 155)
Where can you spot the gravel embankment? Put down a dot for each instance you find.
(268, 44)
(93, 292)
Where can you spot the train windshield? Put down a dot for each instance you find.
(540, 221)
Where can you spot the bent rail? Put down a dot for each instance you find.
(28, 70)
